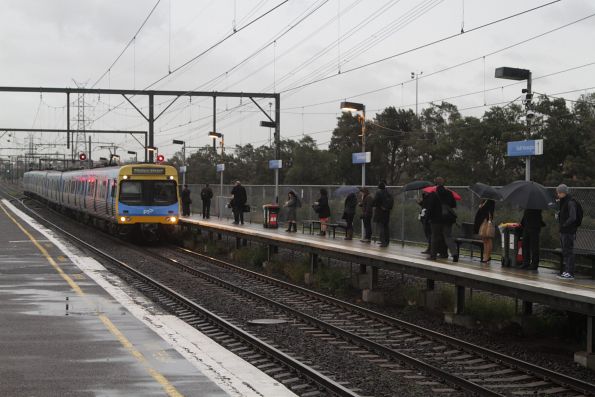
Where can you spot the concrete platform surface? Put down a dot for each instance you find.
(62, 333)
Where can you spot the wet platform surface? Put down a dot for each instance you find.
(512, 281)
(61, 334)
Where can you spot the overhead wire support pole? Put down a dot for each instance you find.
(277, 142)
(151, 126)
(67, 120)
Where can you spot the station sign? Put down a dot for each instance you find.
(275, 164)
(361, 157)
(182, 168)
(220, 167)
(525, 148)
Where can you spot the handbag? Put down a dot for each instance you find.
(487, 229)
(246, 208)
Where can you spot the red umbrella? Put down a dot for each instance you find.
(432, 189)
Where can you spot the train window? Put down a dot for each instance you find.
(164, 192)
(131, 192)
(113, 188)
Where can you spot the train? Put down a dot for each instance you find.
(123, 200)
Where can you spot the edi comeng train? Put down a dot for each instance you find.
(123, 199)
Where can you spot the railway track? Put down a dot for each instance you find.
(457, 361)
(385, 341)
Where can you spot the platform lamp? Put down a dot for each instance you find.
(135, 155)
(521, 74)
(220, 167)
(183, 143)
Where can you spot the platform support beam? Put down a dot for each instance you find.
(459, 299)
(313, 262)
(587, 358)
(362, 269)
(527, 308)
(238, 243)
(430, 284)
(373, 278)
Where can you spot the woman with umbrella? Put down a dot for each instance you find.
(484, 218)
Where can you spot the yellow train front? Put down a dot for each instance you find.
(147, 194)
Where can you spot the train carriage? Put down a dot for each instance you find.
(123, 198)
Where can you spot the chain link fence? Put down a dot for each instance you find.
(405, 226)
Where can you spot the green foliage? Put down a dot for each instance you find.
(489, 308)
(440, 141)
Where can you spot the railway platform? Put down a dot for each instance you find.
(530, 287)
(69, 327)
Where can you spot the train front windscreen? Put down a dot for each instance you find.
(148, 193)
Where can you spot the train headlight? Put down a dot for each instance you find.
(124, 176)
(172, 219)
(122, 219)
(171, 177)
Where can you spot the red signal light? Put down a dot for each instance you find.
(160, 158)
(82, 157)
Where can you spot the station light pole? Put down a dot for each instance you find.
(183, 143)
(216, 135)
(359, 107)
(521, 74)
(416, 77)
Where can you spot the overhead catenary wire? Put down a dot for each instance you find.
(131, 41)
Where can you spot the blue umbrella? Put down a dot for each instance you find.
(345, 191)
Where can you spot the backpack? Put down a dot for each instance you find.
(579, 213)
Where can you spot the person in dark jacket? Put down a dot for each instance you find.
(291, 206)
(567, 218)
(349, 214)
(532, 223)
(206, 194)
(382, 204)
(367, 211)
(485, 213)
(186, 201)
(323, 210)
(442, 204)
(239, 198)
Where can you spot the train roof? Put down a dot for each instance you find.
(127, 169)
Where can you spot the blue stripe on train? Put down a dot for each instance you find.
(153, 210)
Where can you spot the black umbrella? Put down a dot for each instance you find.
(345, 191)
(527, 195)
(416, 185)
(485, 191)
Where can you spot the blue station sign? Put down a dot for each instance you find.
(361, 157)
(220, 167)
(525, 148)
(275, 164)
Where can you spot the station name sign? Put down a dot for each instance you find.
(275, 164)
(148, 171)
(361, 157)
(525, 148)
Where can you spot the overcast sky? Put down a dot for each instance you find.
(63, 43)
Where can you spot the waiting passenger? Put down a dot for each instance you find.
(292, 204)
(367, 210)
(569, 219)
(383, 204)
(206, 194)
(238, 201)
(532, 223)
(349, 214)
(484, 226)
(442, 217)
(323, 210)
(186, 201)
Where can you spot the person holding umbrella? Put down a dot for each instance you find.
(442, 217)
(534, 198)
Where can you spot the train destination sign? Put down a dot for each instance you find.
(525, 148)
(148, 171)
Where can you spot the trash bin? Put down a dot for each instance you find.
(271, 212)
(512, 245)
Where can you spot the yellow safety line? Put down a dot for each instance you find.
(162, 380)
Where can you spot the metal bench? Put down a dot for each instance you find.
(314, 224)
(468, 237)
(583, 246)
